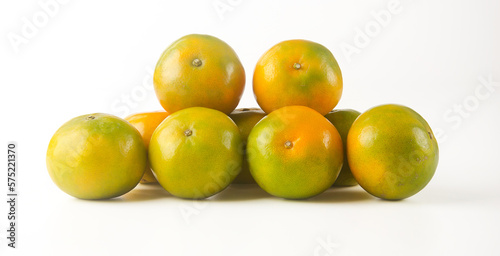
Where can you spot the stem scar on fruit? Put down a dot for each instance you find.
(90, 117)
(188, 132)
(288, 144)
(197, 62)
(296, 66)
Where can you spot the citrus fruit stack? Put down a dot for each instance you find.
(295, 147)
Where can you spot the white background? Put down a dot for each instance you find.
(89, 56)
